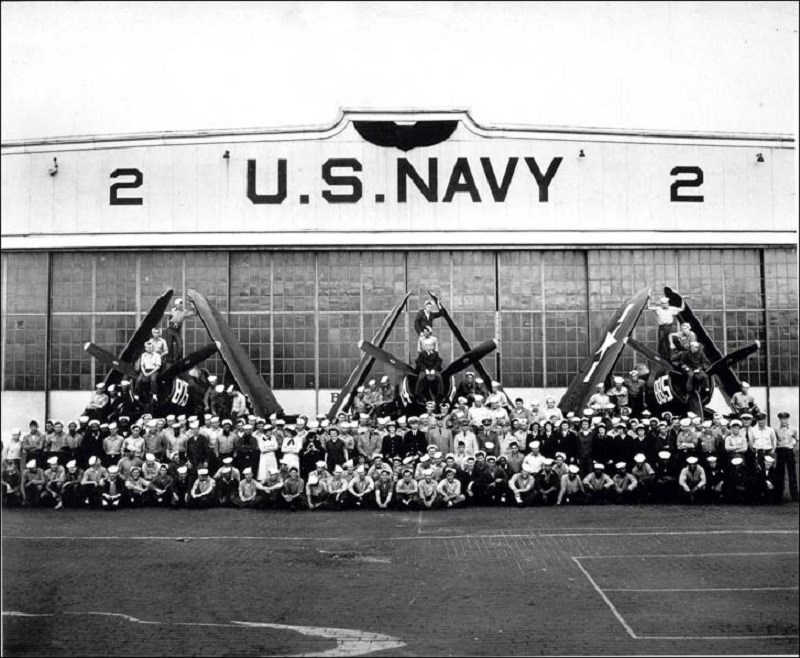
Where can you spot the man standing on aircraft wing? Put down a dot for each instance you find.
(177, 316)
(429, 367)
(148, 366)
(665, 315)
(425, 316)
(693, 361)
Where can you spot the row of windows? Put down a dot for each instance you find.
(300, 315)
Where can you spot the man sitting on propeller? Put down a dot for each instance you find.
(429, 369)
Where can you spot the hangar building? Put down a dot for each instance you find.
(305, 238)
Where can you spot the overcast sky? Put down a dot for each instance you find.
(94, 68)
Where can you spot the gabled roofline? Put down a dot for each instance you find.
(349, 114)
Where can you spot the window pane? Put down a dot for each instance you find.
(565, 341)
(293, 277)
(745, 327)
(473, 281)
(565, 280)
(207, 273)
(780, 271)
(70, 365)
(396, 344)
(250, 281)
(783, 347)
(26, 283)
(294, 350)
(428, 270)
(116, 282)
(338, 347)
(253, 332)
(520, 342)
(161, 271)
(72, 282)
(384, 279)
(24, 352)
(339, 275)
(520, 280)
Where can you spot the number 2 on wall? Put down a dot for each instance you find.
(115, 200)
(697, 181)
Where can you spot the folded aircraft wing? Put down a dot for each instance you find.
(235, 358)
(599, 364)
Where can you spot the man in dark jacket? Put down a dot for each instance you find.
(415, 441)
(198, 450)
(429, 369)
(425, 316)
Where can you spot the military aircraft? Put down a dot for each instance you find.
(182, 385)
(406, 400)
(666, 384)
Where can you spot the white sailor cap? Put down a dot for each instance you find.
(113, 470)
(100, 386)
(618, 380)
(745, 385)
(639, 458)
(385, 379)
(535, 444)
(92, 460)
(686, 422)
(212, 379)
(150, 457)
(181, 469)
(574, 469)
(72, 464)
(424, 459)
(664, 300)
(665, 454)
(478, 398)
(202, 471)
(736, 461)
(320, 464)
(371, 382)
(83, 419)
(227, 461)
(52, 461)
(31, 464)
(691, 460)
(194, 424)
(360, 389)
(620, 464)
(219, 388)
(768, 459)
(598, 466)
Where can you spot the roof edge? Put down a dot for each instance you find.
(345, 115)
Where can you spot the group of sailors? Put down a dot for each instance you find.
(479, 452)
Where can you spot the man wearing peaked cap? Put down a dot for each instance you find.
(787, 438)
(11, 486)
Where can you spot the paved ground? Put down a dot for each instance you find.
(610, 580)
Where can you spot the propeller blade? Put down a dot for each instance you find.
(382, 355)
(190, 361)
(471, 357)
(109, 360)
(733, 358)
(650, 355)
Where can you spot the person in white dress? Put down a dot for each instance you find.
(291, 447)
(268, 445)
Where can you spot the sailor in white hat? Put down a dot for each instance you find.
(692, 480)
(201, 494)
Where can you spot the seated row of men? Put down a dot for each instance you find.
(430, 481)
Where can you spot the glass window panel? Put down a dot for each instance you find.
(207, 272)
(744, 327)
(294, 350)
(72, 282)
(520, 341)
(520, 280)
(783, 346)
(339, 276)
(565, 280)
(253, 332)
(384, 279)
(250, 281)
(70, 366)
(160, 271)
(116, 282)
(428, 270)
(780, 271)
(293, 281)
(24, 352)
(473, 281)
(26, 283)
(195, 336)
(742, 272)
(565, 342)
(338, 347)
